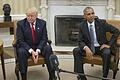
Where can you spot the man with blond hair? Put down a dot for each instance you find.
(32, 41)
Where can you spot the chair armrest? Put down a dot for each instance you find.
(118, 41)
(49, 42)
(116, 57)
(14, 43)
(1, 47)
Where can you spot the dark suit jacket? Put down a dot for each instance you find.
(24, 34)
(101, 28)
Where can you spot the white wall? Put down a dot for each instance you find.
(69, 10)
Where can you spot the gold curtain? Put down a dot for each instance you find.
(117, 7)
(19, 6)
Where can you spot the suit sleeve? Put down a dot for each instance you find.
(115, 33)
(20, 37)
(80, 38)
(44, 39)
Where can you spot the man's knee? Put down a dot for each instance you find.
(106, 51)
(48, 48)
(21, 52)
(47, 51)
(76, 51)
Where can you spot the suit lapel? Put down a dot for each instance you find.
(38, 28)
(86, 30)
(97, 26)
(28, 28)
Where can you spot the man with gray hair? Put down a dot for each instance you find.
(32, 40)
(93, 41)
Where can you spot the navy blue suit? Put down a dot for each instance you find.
(24, 43)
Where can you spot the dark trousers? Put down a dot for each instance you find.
(78, 60)
(23, 55)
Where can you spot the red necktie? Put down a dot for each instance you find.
(33, 32)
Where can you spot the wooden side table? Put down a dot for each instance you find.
(2, 59)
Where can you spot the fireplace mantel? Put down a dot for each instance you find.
(109, 4)
(77, 2)
(103, 8)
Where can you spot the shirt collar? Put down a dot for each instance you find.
(91, 23)
(33, 23)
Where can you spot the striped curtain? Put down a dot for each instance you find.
(117, 7)
(19, 6)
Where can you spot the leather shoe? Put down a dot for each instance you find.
(23, 76)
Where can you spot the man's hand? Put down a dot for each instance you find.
(35, 56)
(89, 53)
(104, 46)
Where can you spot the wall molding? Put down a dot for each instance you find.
(17, 17)
(77, 2)
(117, 17)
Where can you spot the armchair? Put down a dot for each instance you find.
(97, 60)
(30, 61)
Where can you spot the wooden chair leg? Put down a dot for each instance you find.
(78, 77)
(114, 73)
(3, 66)
(17, 71)
(43, 65)
(116, 69)
(92, 65)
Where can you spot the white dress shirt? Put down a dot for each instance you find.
(96, 44)
(37, 50)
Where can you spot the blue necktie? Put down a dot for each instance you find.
(92, 39)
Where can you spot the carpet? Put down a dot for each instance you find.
(40, 73)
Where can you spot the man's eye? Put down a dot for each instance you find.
(90, 13)
(93, 13)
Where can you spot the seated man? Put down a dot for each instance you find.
(32, 40)
(92, 40)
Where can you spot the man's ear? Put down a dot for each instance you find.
(84, 16)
